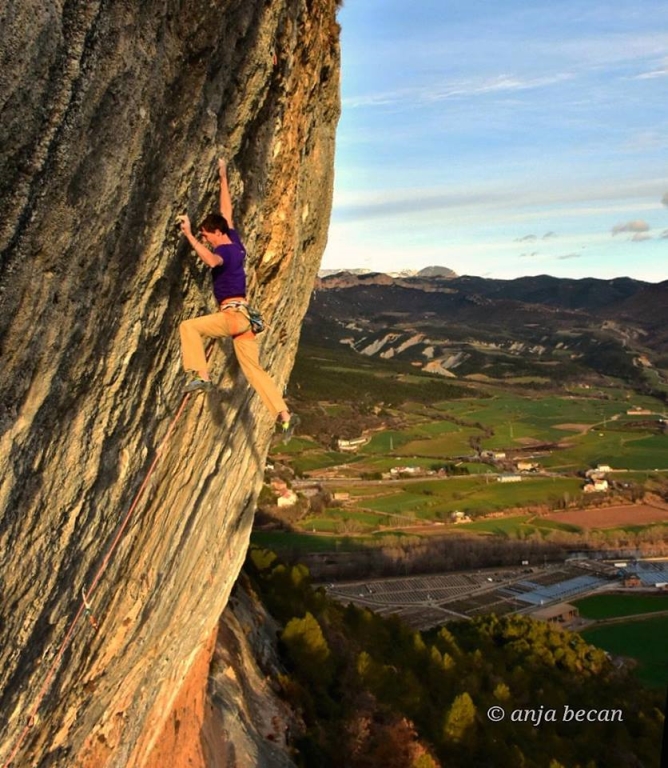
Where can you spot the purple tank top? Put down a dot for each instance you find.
(229, 279)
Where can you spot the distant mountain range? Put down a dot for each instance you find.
(538, 326)
(426, 272)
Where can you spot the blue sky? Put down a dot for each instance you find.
(503, 139)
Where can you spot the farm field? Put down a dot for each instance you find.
(612, 517)
(428, 425)
(618, 449)
(433, 500)
(583, 431)
(516, 526)
(398, 504)
(304, 542)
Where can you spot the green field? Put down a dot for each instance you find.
(643, 640)
(455, 443)
(338, 520)
(398, 503)
(282, 540)
(314, 460)
(515, 419)
(620, 450)
(517, 526)
(591, 428)
(424, 422)
(474, 495)
(385, 463)
(611, 606)
(387, 441)
(299, 445)
(517, 422)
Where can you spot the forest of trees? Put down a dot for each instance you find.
(373, 692)
(413, 555)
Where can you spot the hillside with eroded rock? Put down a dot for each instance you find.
(533, 327)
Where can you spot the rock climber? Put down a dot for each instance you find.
(225, 255)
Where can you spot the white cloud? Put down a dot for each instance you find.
(637, 226)
(486, 202)
(611, 50)
(659, 70)
(664, 234)
(569, 256)
(411, 97)
(526, 239)
(664, 199)
(651, 75)
(640, 237)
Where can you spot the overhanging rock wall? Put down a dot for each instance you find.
(112, 117)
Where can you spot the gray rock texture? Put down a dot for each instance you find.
(112, 117)
(255, 724)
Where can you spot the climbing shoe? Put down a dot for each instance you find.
(287, 428)
(197, 385)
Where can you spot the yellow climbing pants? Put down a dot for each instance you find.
(222, 324)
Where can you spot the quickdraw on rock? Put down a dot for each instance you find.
(88, 612)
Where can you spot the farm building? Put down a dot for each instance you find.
(351, 446)
(509, 478)
(596, 486)
(287, 499)
(527, 466)
(561, 613)
(414, 471)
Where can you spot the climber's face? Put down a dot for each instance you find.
(208, 237)
(214, 239)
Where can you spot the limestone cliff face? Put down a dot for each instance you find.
(112, 117)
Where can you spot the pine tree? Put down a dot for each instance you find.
(308, 648)
(460, 718)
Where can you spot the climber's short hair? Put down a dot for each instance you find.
(215, 222)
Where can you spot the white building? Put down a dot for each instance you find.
(351, 446)
(287, 499)
(596, 486)
(509, 479)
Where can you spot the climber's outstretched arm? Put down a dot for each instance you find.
(208, 257)
(225, 198)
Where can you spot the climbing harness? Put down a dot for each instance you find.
(254, 317)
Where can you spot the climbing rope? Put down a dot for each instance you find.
(85, 607)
